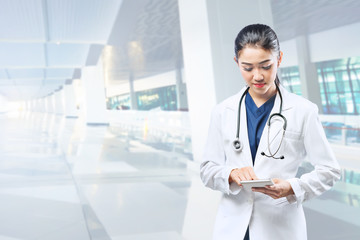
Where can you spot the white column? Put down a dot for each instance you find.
(35, 105)
(38, 105)
(23, 106)
(28, 106)
(181, 96)
(43, 104)
(31, 105)
(50, 103)
(95, 100)
(310, 87)
(46, 100)
(59, 102)
(133, 99)
(208, 31)
(70, 101)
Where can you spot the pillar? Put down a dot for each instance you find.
(308, 73)
(181, 96)
(133, 98)
(42, 104)
(59, 102)
(95, 100)
(208, 31)
(70, 100)
(50, 103)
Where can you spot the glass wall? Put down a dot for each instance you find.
(163, 98)
(290, 79)
(121, 102)
(339, 84)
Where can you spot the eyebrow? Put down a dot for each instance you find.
(250, 64)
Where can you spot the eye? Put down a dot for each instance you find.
(248, 69)
(267, 67)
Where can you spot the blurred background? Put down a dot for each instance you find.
(105, 106)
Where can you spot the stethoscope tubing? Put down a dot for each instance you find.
(237, 143)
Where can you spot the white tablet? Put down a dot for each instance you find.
(257, 183)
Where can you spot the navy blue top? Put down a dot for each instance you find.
(256, 119)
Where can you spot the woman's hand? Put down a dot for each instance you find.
(281, 188)
(242, 174)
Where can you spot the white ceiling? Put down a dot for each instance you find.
(42, 42)
(145, 41)
(304, 17)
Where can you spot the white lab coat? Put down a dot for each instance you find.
(304, 139)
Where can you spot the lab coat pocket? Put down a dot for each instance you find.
(294, 143)
(292, 135)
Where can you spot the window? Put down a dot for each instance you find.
(163, 98)
(339, 86)
(290, 79)
(339, 82)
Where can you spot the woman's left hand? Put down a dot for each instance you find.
(281, 188)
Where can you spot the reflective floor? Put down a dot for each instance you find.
(62, 179)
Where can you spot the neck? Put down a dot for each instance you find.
(260, 99)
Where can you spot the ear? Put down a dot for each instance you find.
(280, 58)
(236, 60)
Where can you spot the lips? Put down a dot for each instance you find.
(259, 85)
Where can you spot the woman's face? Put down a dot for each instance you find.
(259, 67)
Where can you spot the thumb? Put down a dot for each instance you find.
(276, 180)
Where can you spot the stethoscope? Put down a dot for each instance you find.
(238, 146)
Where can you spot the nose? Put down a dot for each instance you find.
(258, 76)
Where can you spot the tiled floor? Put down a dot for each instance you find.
(61, 179)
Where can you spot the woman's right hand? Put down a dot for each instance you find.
(242, 174)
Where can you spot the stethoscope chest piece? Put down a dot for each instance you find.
(237, 145)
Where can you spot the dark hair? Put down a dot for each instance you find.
(257, 35)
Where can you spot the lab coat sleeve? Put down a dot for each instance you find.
(213, 170)
(319, 153)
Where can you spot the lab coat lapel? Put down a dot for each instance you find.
(244, 137)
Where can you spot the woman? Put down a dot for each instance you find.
(263, 151)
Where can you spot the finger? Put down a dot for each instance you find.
(270, 194)
(257, 189)
(253, 175)
(237, 180)
(271, 187)
(247, 175)
(273, 196)
(267, 191)
(242, 177)
(235, 177)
